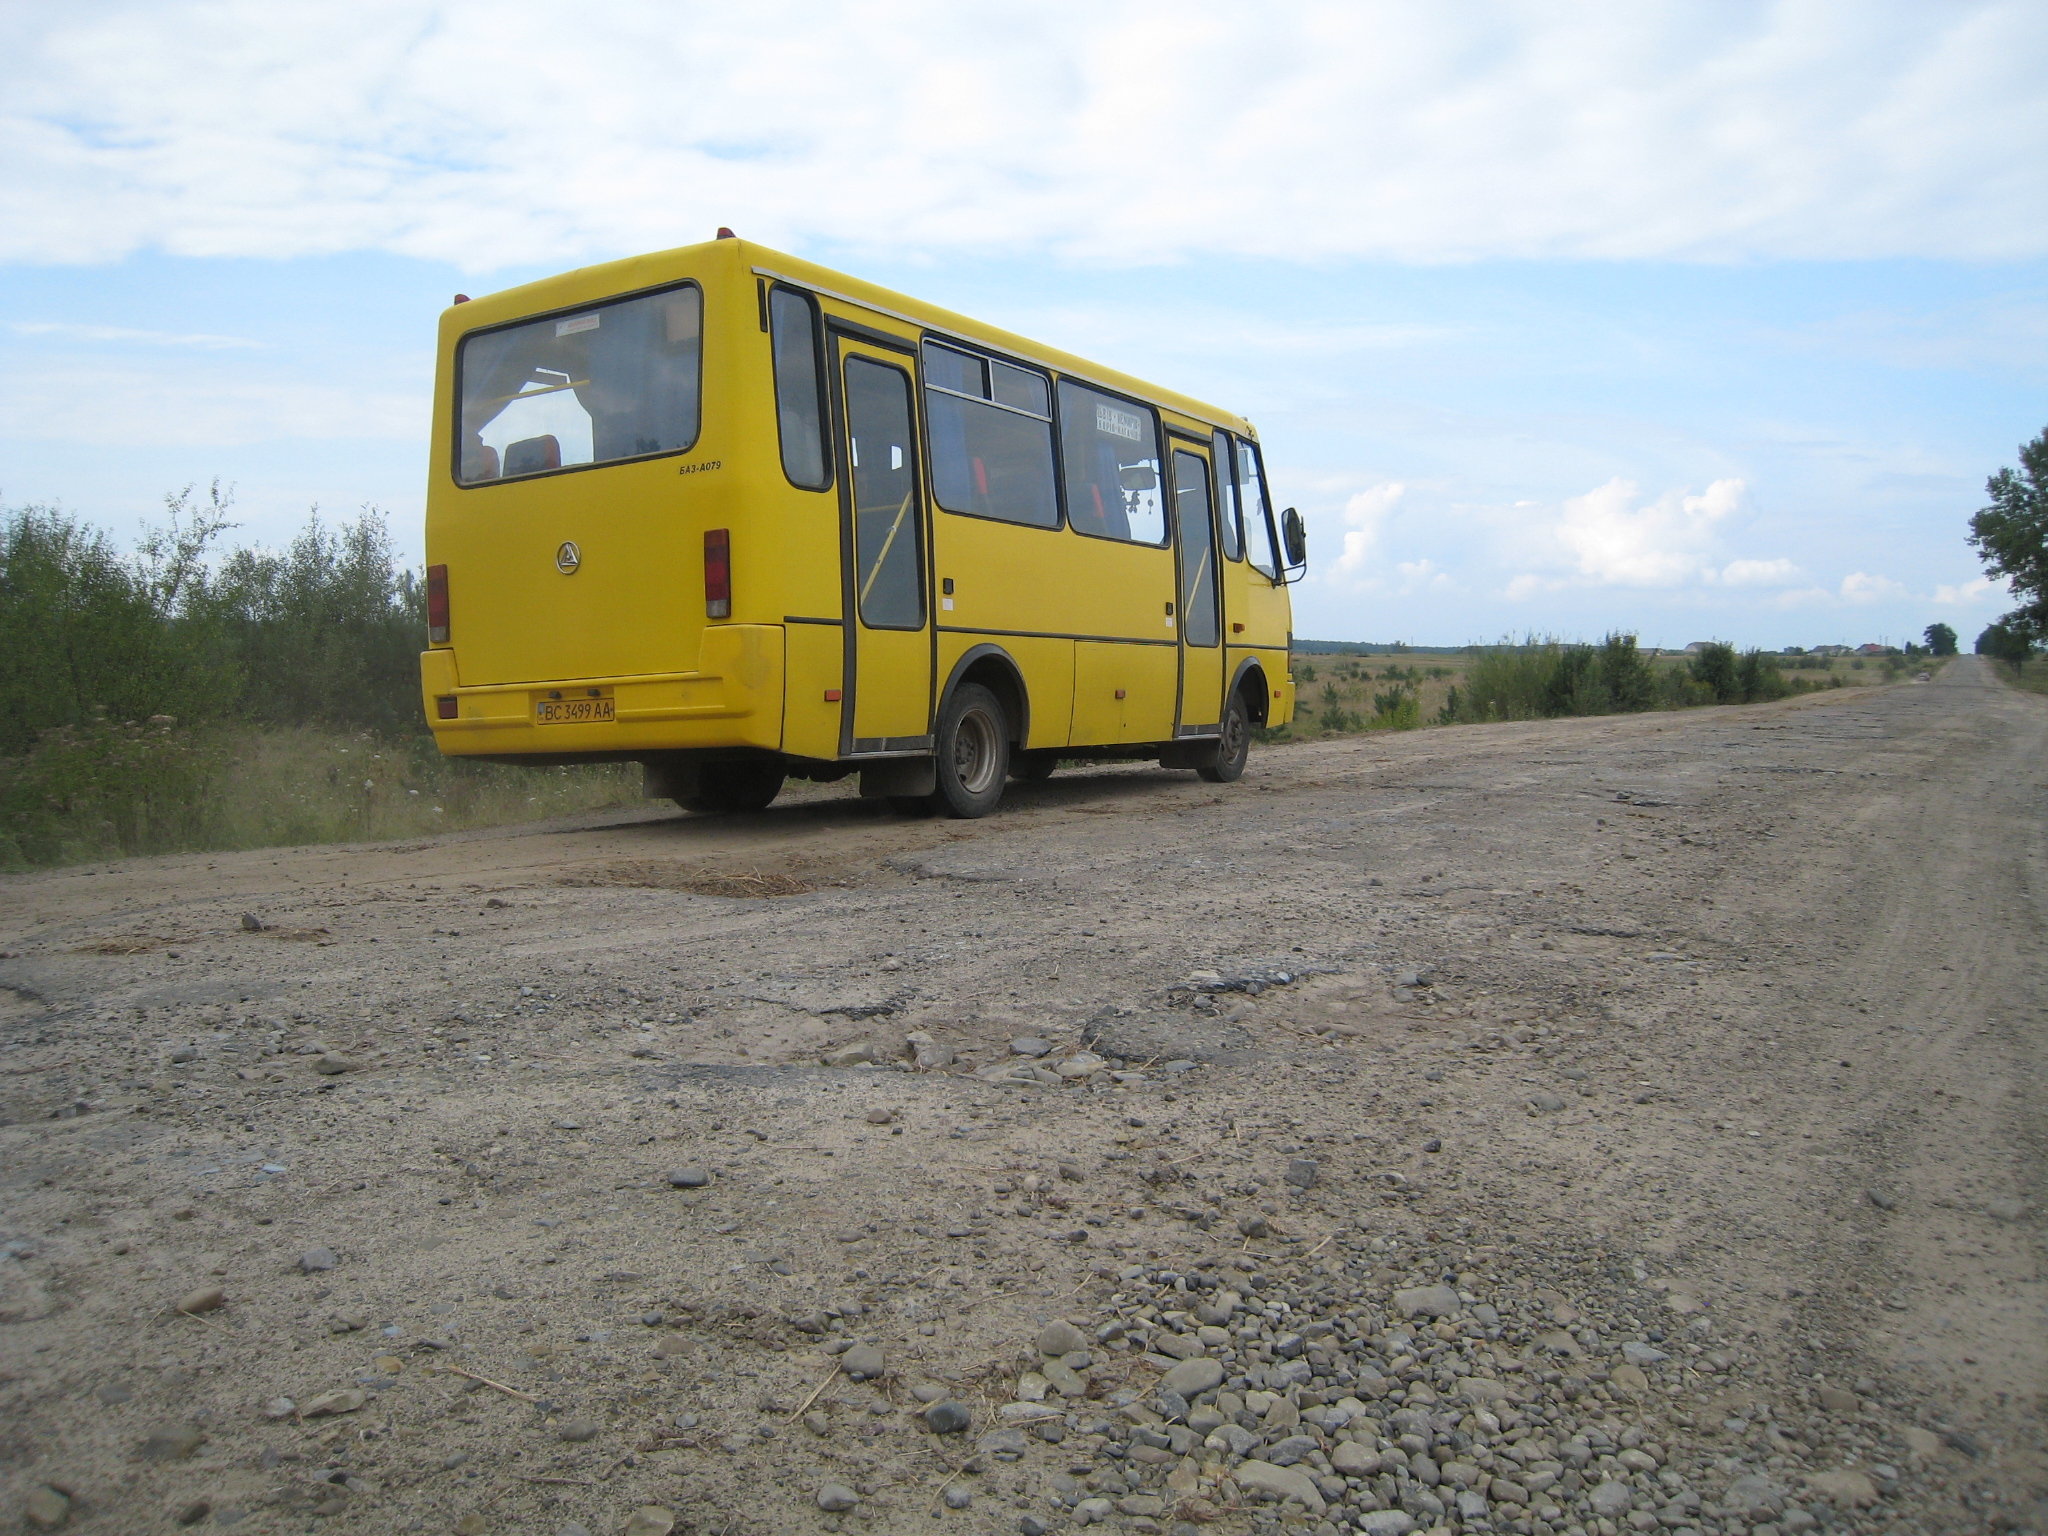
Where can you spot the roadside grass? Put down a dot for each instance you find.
(111, 789)
(2032, 675)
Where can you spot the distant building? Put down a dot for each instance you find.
(1873, 649)
(1697, 646)
(1830, 650)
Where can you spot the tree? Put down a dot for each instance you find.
(2002, 642)
(1941, 640)
(1715, 667)
(2011, 536)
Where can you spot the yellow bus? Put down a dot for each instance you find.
(741, 518)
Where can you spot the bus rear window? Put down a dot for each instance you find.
(991, 438)
(618, 380)
(1111, 449)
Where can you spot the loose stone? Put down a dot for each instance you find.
(576, 1431)
(45, 1508)
(689, 1178)
(313, 1260)
(948, 1418)
(1060, 1338)
(837, 1498)
(863, 1362)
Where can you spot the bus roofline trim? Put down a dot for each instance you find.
(925, 328)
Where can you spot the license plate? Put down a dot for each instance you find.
(574, 711)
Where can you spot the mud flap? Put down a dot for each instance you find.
(899, 776)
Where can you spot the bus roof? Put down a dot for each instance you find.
(635, 272)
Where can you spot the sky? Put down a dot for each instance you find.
(1689, 320)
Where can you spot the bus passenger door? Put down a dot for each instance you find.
(1196, 596)
(887, 704)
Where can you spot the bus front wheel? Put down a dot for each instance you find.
(1233, 746)
(973, 752)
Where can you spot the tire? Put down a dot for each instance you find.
(726, 787)
(1033, 767)
(973, 751)
(1235, 745)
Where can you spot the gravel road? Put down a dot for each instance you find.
(1581, 1126)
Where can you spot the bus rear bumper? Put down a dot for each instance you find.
(733, 699)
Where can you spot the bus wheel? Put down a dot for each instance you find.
(734, 787)
(1234, 746)
(1033, 767)
(973, 753)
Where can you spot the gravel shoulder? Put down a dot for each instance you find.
(1598, 1125)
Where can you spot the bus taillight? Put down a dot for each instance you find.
(437, 605)
(718, 574)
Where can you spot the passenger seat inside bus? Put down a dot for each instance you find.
(479, 462)
(530, 455)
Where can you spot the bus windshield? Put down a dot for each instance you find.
(615, 381)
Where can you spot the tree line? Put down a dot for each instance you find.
(326, 631)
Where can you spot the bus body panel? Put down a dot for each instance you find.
(1123, 693)
(816, 660)
(732, 699)
(628, 621)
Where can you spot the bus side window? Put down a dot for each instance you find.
(1226, 491)
(799, 413)
(1258, 530)
(1110, 448)
(990, 428)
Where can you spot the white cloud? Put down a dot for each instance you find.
(1972, 593)
(1615, 540)
(118, 333)
(1363, 515)
(143, 407)
(1758, 573)
(501, 134)
(1861, 587)
(1419, 574)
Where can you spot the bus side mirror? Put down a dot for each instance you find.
(1294, 534)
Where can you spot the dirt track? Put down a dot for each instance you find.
(1727, 1027)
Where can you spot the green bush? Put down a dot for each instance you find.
(144, 687)
(1545, 679)
(1395, 709)
(327, 631)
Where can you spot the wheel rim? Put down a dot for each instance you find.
(977, 757)
(1234, 735)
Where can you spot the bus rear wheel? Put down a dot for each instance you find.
(1233, 745)
(727, 787)
(973, 751)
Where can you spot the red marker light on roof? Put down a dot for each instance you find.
(462, 298)
(726, 234)
(718, 573)
(437, 605)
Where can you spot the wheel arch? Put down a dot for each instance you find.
(997, 671)
(1250, 680)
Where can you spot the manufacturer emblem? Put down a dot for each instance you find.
(568, 557)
